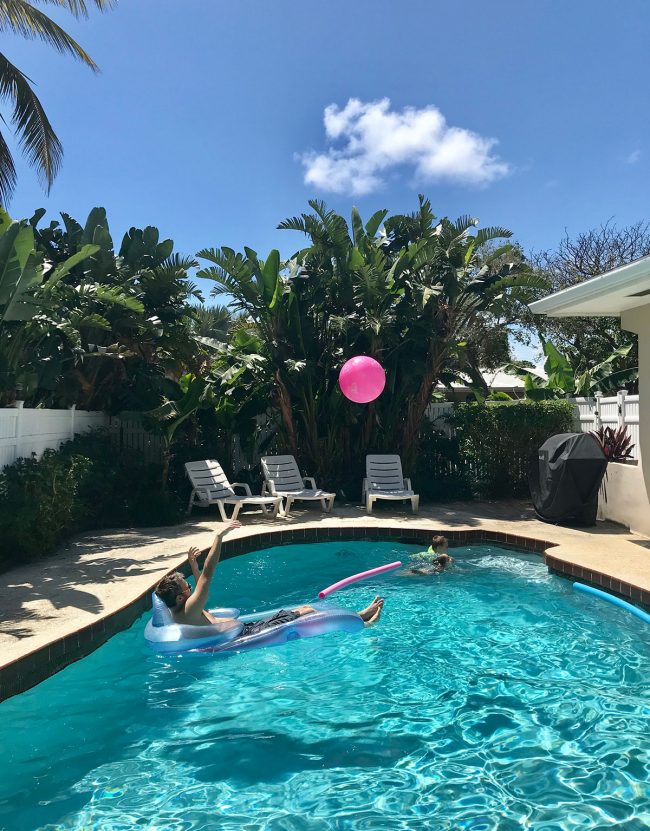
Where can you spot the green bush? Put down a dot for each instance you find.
(39, 503)
(85, 485)
(489, 453)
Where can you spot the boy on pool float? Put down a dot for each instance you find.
(188, 607)
(435, 560)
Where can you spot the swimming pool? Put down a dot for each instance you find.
(491, 697)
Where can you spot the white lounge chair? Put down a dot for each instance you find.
(384, 480)
(210, 486)
(282, 478)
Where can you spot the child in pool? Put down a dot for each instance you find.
(435, 560)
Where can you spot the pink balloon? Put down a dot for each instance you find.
(362, 379)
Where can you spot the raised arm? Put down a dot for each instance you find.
(199, 597)
(192, 554)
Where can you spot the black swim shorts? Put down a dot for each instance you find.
(283, 616)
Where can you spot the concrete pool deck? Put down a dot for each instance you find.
(59, 609)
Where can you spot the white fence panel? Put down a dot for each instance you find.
(26, 431)
(615, 411)
(436, 413)
(621, 410)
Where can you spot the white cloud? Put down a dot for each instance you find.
(633, 157)
(367, 139)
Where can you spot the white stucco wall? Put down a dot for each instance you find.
(628, 486)
(627, 498)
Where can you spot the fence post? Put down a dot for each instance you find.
(19, 428)
(598, 422)
(620, 395)
(73, 409)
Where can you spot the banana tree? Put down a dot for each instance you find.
(166, 419)
(27, 283)
(563, 380)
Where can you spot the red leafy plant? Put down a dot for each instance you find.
(616, 443)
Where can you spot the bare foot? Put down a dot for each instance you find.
(364, 613)
(372, 610)
(376, 615)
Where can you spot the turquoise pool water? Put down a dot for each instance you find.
(491, 698)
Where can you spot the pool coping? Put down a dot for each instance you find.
(24, 672)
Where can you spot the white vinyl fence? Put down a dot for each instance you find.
(25, 431)
(619, 410)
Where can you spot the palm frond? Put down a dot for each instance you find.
(79, 8)
(294, 223)
(484, 235)
(37, 138)
(22, 18)
(8, 176)
(463, 224)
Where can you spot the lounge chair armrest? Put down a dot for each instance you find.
(312, 480)
(268, 488)
(364, 486)
(243, 485)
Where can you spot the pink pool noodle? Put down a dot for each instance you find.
(360, 576)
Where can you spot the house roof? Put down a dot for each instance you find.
(607, 295)
(499, 380)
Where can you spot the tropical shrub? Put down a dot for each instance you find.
(490, 449)
(85, 485)
(85, 322)
(39, 503)
(408, 290)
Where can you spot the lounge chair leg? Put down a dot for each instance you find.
(415, 504)
(222, 511)
(369, 501)
(235, 512)
(277, 505)
(330, 505)
(287, 507)
(190, 503)
(323, 506)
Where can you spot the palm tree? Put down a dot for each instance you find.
(36, 135)
(212, 322)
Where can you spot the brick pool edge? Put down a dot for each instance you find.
(29, 670)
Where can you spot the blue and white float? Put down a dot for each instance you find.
(166, 636)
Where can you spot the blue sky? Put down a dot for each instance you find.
(208, 116)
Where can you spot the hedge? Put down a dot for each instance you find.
(489, 453)
(85, 485)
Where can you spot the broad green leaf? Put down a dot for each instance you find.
(372, 225)
(62, 270)
(271, 277)
(358, 232)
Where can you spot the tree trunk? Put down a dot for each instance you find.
(167, 457)
(284, 403)
(415, 413)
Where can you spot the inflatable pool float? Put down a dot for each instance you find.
(165, 636)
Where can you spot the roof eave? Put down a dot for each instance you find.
(563, 303)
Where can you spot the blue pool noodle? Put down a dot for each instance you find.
(616, 601)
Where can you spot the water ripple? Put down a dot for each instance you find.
(491, 698)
